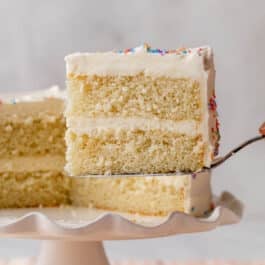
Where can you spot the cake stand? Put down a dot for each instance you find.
(75, 235)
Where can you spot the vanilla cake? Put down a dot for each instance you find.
(149, 195)
(32, 159)
(141, 110)
(32, 150)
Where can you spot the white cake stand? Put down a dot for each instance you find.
(74, 235)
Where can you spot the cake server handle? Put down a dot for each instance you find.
(221, 160)
(262, 129)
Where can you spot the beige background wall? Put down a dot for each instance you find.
(36, 35)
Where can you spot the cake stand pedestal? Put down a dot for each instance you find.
(75, 235)
(72, 252)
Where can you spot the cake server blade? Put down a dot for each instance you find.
(217, 162)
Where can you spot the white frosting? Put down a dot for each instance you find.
(205, 129)
(83, 125)
(32, 96)
(173, 65)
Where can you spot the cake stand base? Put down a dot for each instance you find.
(61, 252)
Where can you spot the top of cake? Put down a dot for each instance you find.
(23, 104)
(182, 62)
(15, 97)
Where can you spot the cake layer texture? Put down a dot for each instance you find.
(149, 195)
(114, 151)
(32, 136)
(32, 124)
(33, 189)
(32, 163)
(134, 96)
(32, 150)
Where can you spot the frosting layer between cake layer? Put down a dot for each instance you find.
(82, 125)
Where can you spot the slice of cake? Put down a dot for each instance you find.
(32, 150)
(163, 195)
(146, 111)
(140, 110)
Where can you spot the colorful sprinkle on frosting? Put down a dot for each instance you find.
(217, 137)
(212, 106)
(147, 48)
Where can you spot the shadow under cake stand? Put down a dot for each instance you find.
(75, 235)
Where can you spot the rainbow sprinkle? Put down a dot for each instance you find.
(218, 137)
(212, 103)
(194, 175)
(212, 106)
(147, 48)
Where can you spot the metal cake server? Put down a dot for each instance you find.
(217, 162)
(221, 160)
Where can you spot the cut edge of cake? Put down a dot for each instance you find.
(32, 155)
(156, 196)
(104, 111)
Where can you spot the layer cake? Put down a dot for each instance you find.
(141, 110)
(32, 160)
(32, 150)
